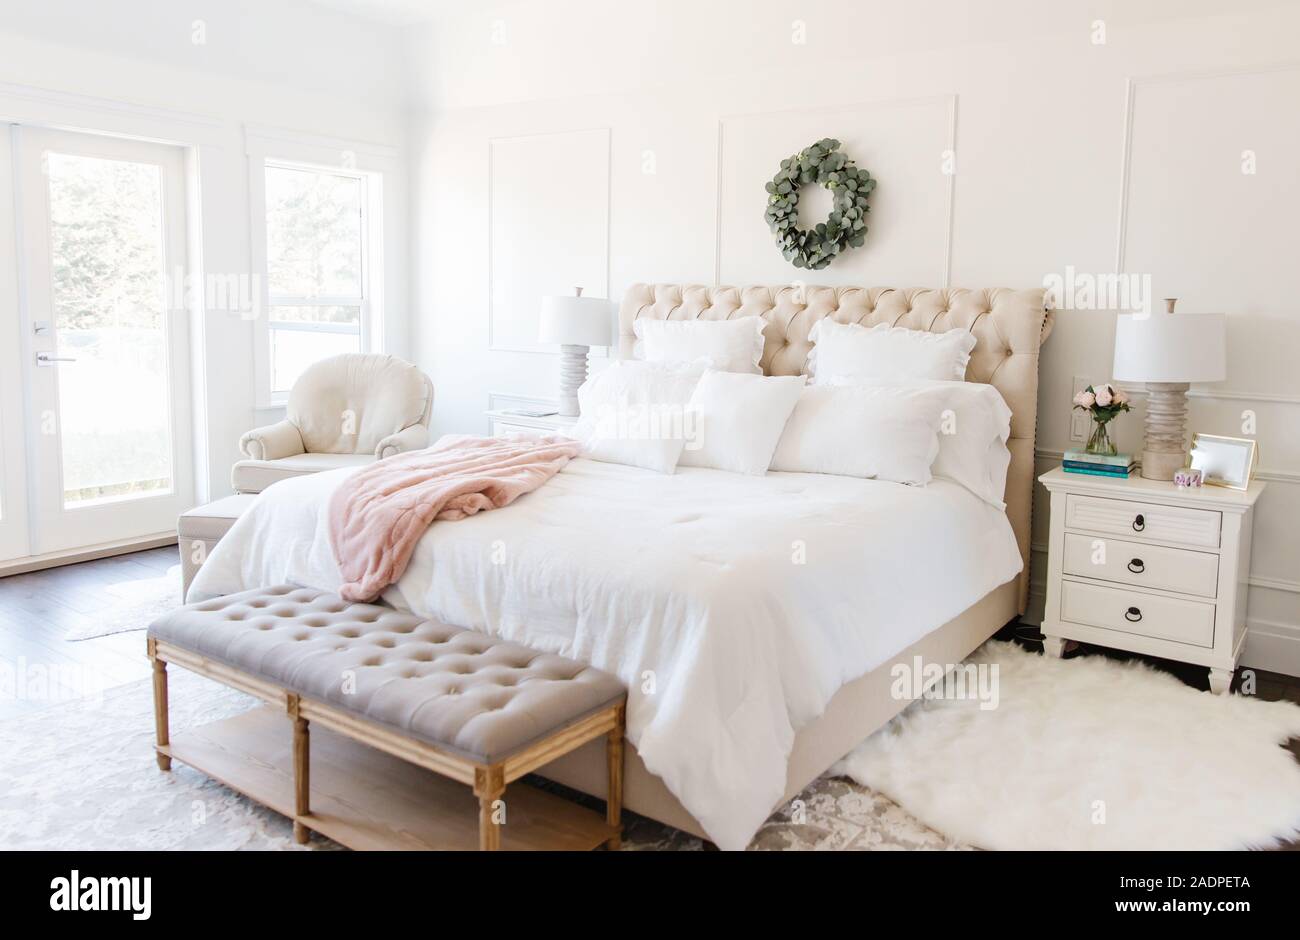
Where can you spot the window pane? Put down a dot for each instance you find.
(303, 335)
(106, 248)
(313, 233)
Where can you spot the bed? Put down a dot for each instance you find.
(754, 619)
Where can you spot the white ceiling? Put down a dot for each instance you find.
(395, 12)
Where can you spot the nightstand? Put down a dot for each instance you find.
(504, 421)
(1144, 566)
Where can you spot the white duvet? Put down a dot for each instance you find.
(732, 606)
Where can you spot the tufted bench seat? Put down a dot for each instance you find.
(473, 708)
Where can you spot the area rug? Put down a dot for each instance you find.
(1081, 753)
(136, 605)
(82, 776)
(1089, 753)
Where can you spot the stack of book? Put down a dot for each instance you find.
(1102, 465)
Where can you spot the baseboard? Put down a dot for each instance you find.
(89, 553)
(1273, 646)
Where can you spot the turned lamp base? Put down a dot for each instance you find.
(1165, 449)
(573, 372)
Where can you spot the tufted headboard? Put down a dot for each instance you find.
(1009, 327)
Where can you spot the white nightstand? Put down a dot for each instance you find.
(504, 421)
(1145, 566)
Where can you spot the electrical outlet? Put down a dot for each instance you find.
(1079, 420)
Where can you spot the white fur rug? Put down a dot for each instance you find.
(137, 604)
(1090, 754)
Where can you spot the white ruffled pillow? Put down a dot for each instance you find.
(885, 354)
(973, 440)
(875, 432)
(739, 419)
(634, 413)
(975, 424)
(732, 345)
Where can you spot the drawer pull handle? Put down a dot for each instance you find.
(1132, 615)
(1136, 566)
(1139, 523)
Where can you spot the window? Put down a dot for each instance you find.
(319, 268)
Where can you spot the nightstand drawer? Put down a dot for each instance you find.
(502, 428)
(1169, 569)
(1141, 521)
(1127, 611)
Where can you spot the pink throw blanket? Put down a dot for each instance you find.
(378, 514)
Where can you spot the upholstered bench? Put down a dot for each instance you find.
(198, 531)
(473, 709)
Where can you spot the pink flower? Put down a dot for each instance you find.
(1120, 397)
(1104, 396)
(1085, 399)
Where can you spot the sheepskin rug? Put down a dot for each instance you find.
(1090, 753)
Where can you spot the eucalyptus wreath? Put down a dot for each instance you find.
(845, 227)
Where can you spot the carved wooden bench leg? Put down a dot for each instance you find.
(489, 786)
(160, 706)
(301, 771)
(614, 795)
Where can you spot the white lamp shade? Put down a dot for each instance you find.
(575, 321)
(1171, 347)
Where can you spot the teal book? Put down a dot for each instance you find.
(1119, 472)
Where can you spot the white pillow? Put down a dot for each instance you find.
(635, 413)
(880, 432)
(973, 431)
(973, 439)
(740, 418)
(886, 354)
(733, 345)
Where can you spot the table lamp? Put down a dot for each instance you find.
(575, 324)
(1168, 352)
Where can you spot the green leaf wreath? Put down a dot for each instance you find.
(845, 227)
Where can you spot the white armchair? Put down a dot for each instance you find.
(345, 411)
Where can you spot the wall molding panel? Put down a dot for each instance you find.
(549, 198)
(1131, 88)
(737, 174)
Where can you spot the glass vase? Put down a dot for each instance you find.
(1099, 442)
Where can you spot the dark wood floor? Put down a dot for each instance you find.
(40, 608)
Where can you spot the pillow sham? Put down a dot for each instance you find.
(869, 431)
(739, 419)
(973, 439)
(634, 413)
(975, 424)
(886, 354)
(733, 345)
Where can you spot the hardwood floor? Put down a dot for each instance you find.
(38, 610)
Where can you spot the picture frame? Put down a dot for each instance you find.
(1224, 461)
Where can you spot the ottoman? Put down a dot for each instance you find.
(390, 696)
(198, 531)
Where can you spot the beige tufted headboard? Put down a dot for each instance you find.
(1009, 327)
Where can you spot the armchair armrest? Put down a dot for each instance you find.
(415, 437)
(272, 442)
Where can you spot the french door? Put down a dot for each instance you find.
(103, 342)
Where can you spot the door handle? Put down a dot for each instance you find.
(45, 359)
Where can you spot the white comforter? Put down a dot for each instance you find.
(732, 606)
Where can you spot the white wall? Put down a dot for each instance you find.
(1038, 114)
(197, 74)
